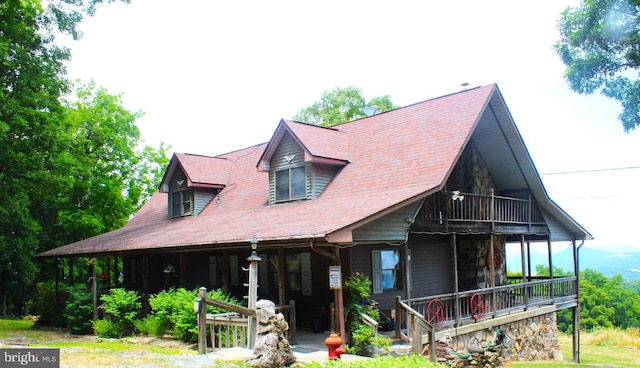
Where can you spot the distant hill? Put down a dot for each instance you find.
(609, 263)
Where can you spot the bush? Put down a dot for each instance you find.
(149, 326)
(49, 310)
(79, 310)
(173, 311)
(121, 307)
(107, 328)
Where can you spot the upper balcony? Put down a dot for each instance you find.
(479, 213)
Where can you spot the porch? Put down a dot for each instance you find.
(421, 321)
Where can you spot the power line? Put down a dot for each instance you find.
(592, 170)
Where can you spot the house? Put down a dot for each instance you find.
(422, 199)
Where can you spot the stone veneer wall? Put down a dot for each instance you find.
(473, 267)
(525, 340)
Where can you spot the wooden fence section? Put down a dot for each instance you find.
(231, 329)
(416, 328)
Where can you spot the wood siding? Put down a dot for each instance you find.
(287, 147)
(361, 262)
(202, 198)
(431, 265)
(174, 187)
(392, 227)
(321, 175)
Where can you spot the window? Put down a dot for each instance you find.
(291, 183)
(181, 203)
(385, 270)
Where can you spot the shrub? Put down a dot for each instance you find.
(149, 326)
(173, 310)
(121, 307)
(50, 311)
(107, 328)
(361, 338)
(79, 310)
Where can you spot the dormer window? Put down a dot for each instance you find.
(291, 184)
(182, 203)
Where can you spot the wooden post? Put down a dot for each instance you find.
(576, 310)
(281, 285)
(492, 268)
(71, 271)
(454, 246)
(550, 270)
(94, 288)
(253, 259)
(524, 274)
(202, 321)
(292, 322)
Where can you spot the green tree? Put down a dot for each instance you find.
(37, 162)
(600, 45)
(341, 105)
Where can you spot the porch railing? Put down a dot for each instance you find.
(444, 207)
(416, 327)
(230, 329)
(473, 305)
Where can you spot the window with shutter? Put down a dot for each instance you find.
(385, 267)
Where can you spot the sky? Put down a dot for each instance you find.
(217, 76)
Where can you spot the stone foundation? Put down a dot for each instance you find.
(529, 339)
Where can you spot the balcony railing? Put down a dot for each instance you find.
(444, 208)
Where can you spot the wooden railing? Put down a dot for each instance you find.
(416, 327)
(444, 207)
(231, 329)
(459, 309)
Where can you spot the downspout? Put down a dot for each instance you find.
(336, 261)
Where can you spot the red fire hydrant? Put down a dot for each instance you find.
(334, 345)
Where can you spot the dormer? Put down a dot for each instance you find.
(192, 181)
(301, 160)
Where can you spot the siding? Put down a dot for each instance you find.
(321, 175)
(557, 231)
(174, 187)
(288, 146)
(391, 227)
(361, 262)
(431, 265)
(202, 198)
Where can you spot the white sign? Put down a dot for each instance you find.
(335, 279)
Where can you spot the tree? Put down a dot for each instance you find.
(34, 136)
(341, 105)
(600, 45)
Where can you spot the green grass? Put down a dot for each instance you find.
(592, 352)
(602, 348)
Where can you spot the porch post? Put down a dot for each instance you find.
(281, 285)
(70, 271)
(492, 269)
(550, 270)
(455, 276)
(525, 293)
(576, 310)
(94, 288)
(407, 271)
(253, 259)
(529, 261)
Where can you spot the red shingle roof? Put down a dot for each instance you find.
(393, 157)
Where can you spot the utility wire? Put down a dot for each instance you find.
(591, 171)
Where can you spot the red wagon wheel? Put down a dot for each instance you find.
(435, 313)
(478, 306)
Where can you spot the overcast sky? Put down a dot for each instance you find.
(214, 76)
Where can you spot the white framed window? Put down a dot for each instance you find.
(182, 203)
(291, 183)
(385, 267)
